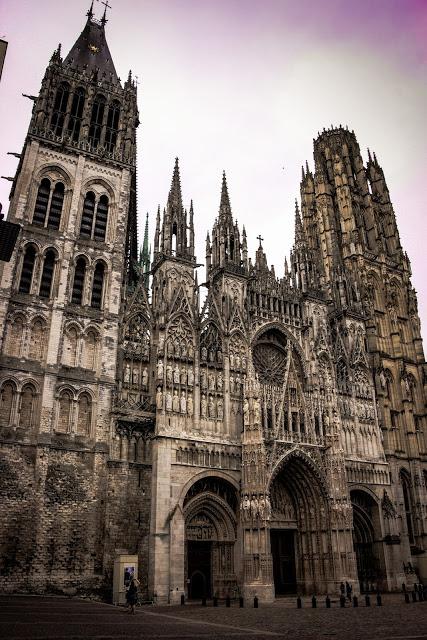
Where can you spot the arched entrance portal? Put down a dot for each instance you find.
(299, 531)
(210, 535)
(367, 540)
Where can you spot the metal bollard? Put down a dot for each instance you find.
(241, 602)
(314, 602)
(355, 601)
(227, 602)
(379, 600)
(215, 601)
(342, 602)
(407, 600)
(403, 587)
(299, 603)
(414, 596)
(328, 602)
(204, 601)
(367, 600)
(255, 602)
(182, 599)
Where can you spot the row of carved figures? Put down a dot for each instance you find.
(255, 506)
(184, 404)
(133, 375)
(175, 375)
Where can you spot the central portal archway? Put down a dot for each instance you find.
(210, 535)
(367, 541)
(299, 529)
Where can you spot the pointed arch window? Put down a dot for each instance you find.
(60, 108)
(27, 269)
(47, 274)
(36, 346)
(26, 411)
(97, 286)
(101, 219)
(96, 121)
(407, 501)
(112, 125)
(90, 350)
(79, 281)
(64, 411)
(84, 417)
(56, 203)
(70, 347)
(7, 396)
(87, 215)
(76, 114)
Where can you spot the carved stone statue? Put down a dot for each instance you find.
(257, 412)
(243, 362)
(161, 342)
(176, 375)
(245, 412)
(211, 382)
(219, 381)
(175, 401)
(231, 361)
(232, 384)
(169, 374)
(237, 361)
(126, 373)
(204, 354)
(160, 370)
(159, 398)
(190, 408)
(190, 377)
(203, 379)
(168, 401)
(183, 403)
(211, 407)
(183, 375)
(145, 377)
(203, 406)
(220, 409)
(135, 376)
(219, 356)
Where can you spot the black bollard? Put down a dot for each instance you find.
(215, 601)
(314, 602)
(241, 602)
(379, 600)
(204, 601)
(255, 603)
(367, 600)
(414, 596)
(328, 602)
(182, 599)
(407, 600)
(403, 587)
(342, 602)
(355, 601)
(299, 603)
(421, 594)
(227, 602)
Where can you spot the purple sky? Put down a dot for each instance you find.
(244, 86)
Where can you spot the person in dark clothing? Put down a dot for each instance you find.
(132, 595)
(348, 589)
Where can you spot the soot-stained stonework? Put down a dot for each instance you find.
(267, 440)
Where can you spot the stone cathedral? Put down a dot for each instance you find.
(267, 437)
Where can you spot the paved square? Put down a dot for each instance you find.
(27, 617)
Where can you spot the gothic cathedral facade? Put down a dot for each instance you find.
(269, 440)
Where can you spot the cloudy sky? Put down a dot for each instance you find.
(245, 85)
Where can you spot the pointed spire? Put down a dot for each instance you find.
(90, 12)
(104, 17)
(191, 228)
(224, 206)
(175, 196)
(145, 254)
(299, 233)
(302, 172)
(369, 155)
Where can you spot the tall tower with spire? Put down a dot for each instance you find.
(74, 195)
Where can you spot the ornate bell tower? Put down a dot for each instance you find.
(74, 197)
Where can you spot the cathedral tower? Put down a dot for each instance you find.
(74, 197)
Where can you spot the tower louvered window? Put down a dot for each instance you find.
(56, 203)
(112, 126)
(101, 219)
(98, 282)
(60, 108)
(75, 121)
(79, 280)
(87, 215)
(42, 202)
(96, 121)
(47, 274)
(27, 270)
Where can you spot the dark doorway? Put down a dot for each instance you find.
(283, 552)
(199, 555)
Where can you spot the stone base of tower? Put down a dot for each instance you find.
(264, 592)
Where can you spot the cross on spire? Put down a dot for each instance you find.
(260, 240)
(107, 6)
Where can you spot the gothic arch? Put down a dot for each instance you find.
(209, 473)
(278, 326)
(50, 171)
(104, 186)
(303, 457)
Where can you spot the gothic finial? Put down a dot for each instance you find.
(307, 170)
(298, 225)
(104, 17)
(369, 155)
(90, 12)
(175, 197)
(302, 172)
(224, 206)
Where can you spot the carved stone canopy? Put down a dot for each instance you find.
(140, 428)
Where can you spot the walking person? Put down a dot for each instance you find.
(349, 590)
(132, 595)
